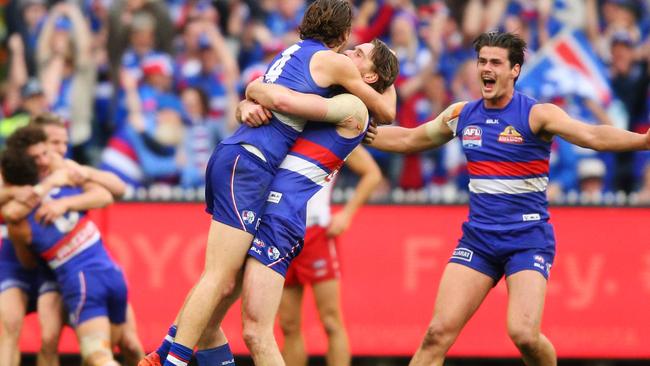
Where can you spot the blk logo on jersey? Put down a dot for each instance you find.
(274, 197)
(472, 137)
(248, 216)
(491, 121)
(510, 136)
(273, 253)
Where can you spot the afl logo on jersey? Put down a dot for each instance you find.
(472, 137)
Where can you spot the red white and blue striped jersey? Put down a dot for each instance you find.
(313, 161)
(508, 165)
(289, 69)
(71, 243)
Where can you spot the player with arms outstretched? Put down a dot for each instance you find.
(506, 137)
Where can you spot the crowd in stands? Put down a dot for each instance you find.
(149, 87)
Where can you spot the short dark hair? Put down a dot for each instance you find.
(327, 21)
(515, 45)
(25, 137)
(18, 168)
(48, 119)
(385, 64)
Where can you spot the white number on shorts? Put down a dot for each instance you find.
(276, 69)
(67, 222)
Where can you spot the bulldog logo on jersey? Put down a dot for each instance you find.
(472, 137)
(248, 216)
(510, 136)
(273, 253)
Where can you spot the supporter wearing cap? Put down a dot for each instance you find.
(591, 174)
(157, 80)
(33, 103)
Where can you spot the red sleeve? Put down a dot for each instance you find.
(377, 27)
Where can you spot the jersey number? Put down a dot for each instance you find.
(67, 222)
(276, 69)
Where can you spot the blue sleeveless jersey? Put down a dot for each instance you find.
(314, 160)
(508, 165)
(289, 69)
(72, 243)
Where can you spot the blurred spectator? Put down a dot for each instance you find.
(284, 19)
(643, 194)
(415, 67)
(68, 73)
(137, 27)
(25, 17)
(372, 20)
(630, 82)
(612, 17)
(213, 70)
(563, 170)
(33, 103)
(143, 151)
(182, 11)
(629, 77)
(202, 135)
(591, 172)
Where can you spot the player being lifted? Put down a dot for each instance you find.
(242, 168)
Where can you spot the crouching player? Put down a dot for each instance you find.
(93, 287)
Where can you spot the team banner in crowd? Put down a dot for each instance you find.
(566, 66)
(392, 259)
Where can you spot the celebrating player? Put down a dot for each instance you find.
(241, 169)
(318, 266)
(506, 137)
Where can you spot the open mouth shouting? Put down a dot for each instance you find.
(488, 83)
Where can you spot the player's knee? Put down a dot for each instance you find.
(346, 106)
(332, 323)
(252, 336)
(439, 334)
(255, 333)
(49, 343)
(525, 338)
(218, 284)
(96, 350)
(290, 325)
(11, 327)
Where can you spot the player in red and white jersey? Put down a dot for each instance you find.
(318, 266)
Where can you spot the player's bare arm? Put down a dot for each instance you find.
(252, 114)
(93, 196)
(345, 110)
(286, 101)
(430, 135)
(81, 174)
(17, 209)
(330, 68)
(362, 164)
(21, 237)
(548, 120)
(25, 194)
